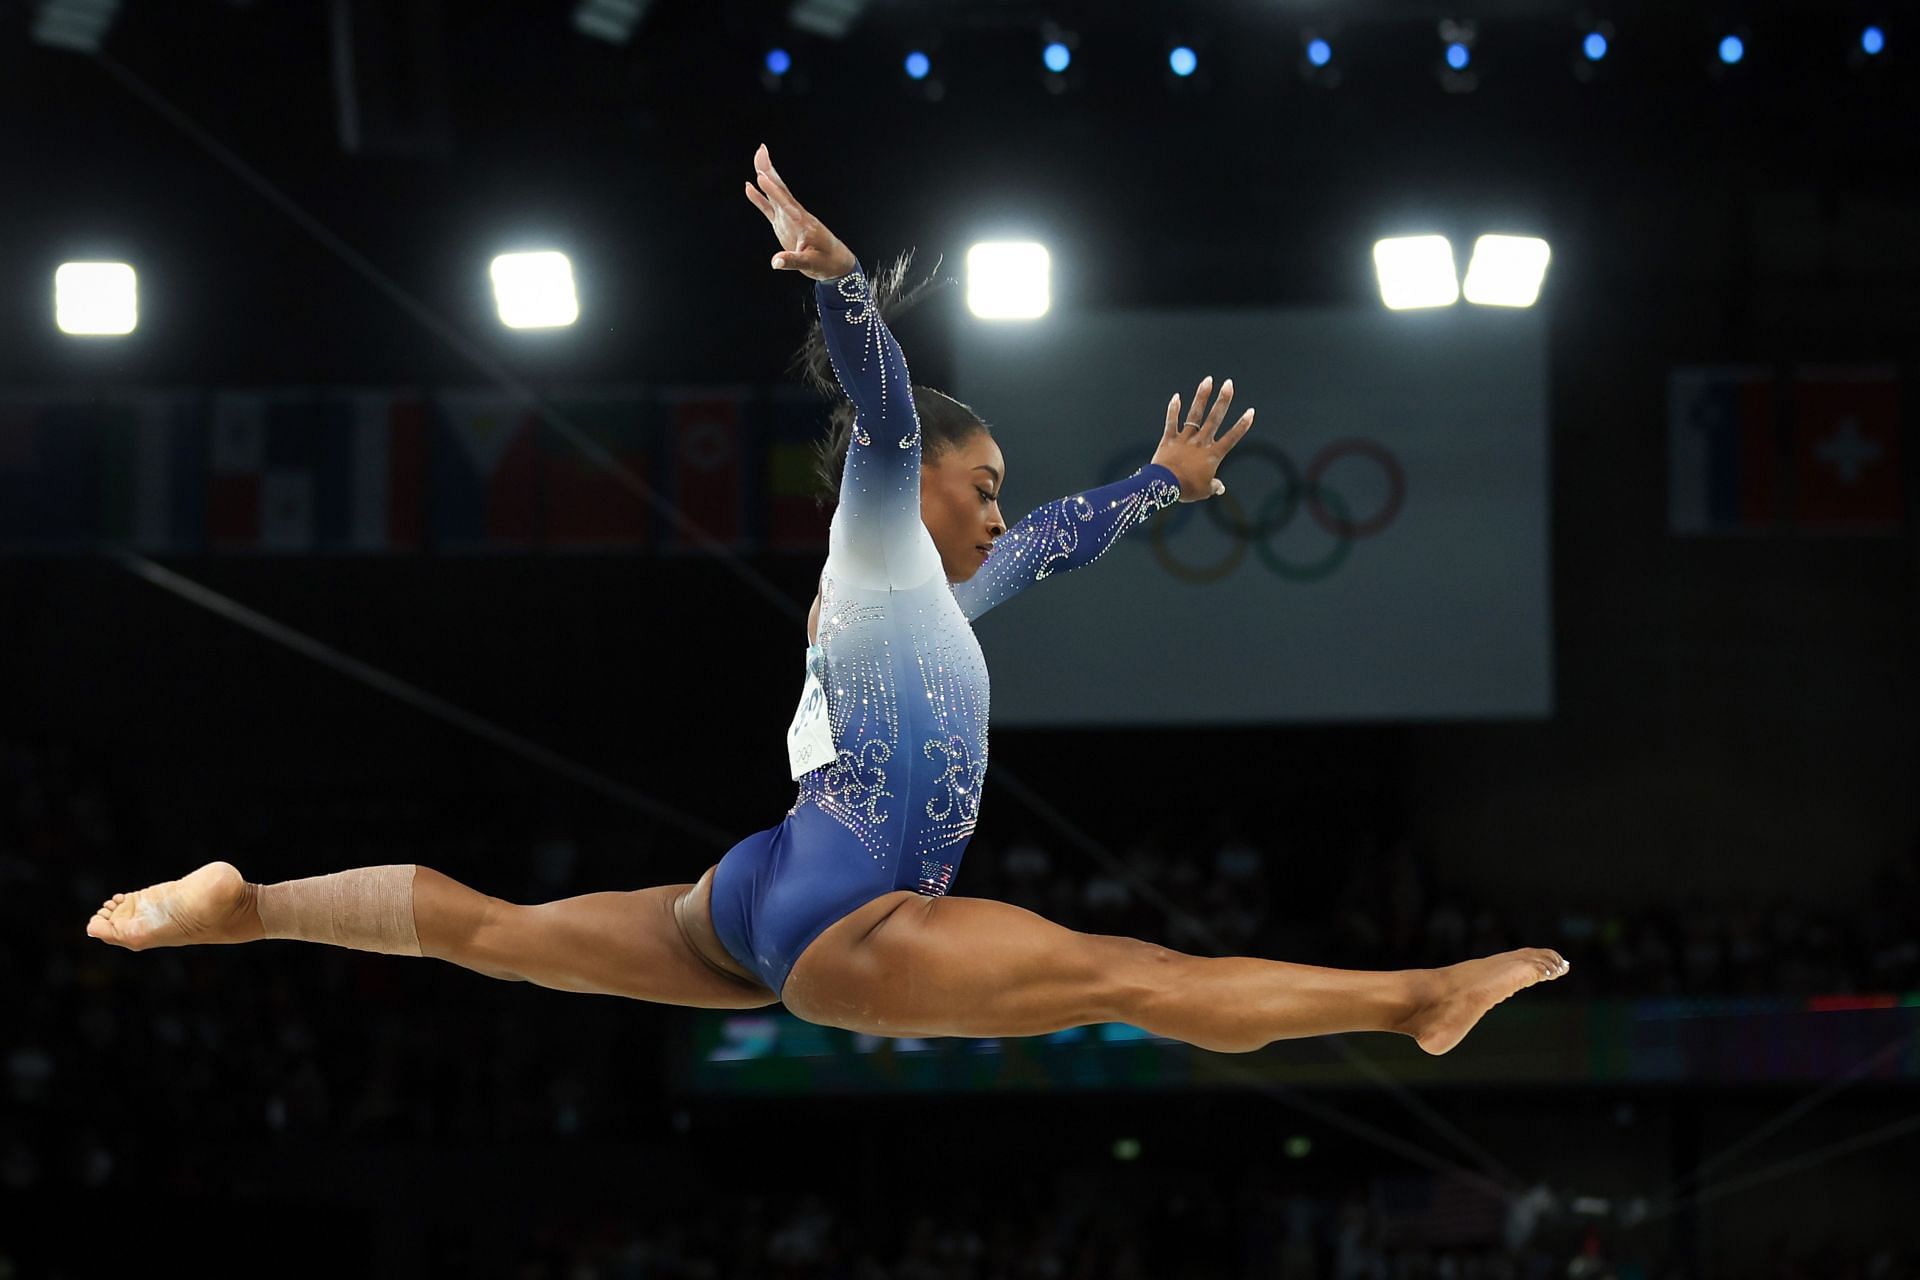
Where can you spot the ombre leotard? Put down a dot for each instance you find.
(895, 652)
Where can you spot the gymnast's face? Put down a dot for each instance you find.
(960, 503)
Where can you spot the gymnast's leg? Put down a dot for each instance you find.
(626, 944)
(975, 967)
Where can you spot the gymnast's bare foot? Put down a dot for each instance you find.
(213, 904)
(1464, 992)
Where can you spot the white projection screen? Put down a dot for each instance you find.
(1380, 554)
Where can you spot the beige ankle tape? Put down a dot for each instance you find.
(367, 908)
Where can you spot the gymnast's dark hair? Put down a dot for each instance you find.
(944, 421)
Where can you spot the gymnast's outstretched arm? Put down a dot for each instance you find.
(877, 538)
(1072, 532)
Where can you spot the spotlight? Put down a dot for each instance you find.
(1732, 49)
(1456, 43)
(1058, 45)
(918, 65)
(1416, 271)
(779, 62)
(95, 298)
(534, 290)
(1505, 271)
(1596, 42)
(1872, 41)
(1183, 61)
(1008, 280)
(1316, 63)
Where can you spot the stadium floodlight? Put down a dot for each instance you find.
(829, 18)
(534, 290)
(74, 24)
(1008, 280)
(1416, 271)
(95, 298)
(609, 20)
(1506, 271)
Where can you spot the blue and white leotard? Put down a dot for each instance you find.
(905, 680)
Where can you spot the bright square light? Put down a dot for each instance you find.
(534, 290)
(1008, 280)
(95, 298)
(1506, 271)
(1416, 271)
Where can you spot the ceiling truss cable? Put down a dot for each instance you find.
(1798, 1164)
(493, 369)
(1672, 1195)
(375, 678)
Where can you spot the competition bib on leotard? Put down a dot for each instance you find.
(810, 736)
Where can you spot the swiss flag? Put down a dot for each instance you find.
(1846, 450)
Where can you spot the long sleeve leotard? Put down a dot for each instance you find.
(905, 680)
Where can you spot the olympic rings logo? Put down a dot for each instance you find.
(1323, 504)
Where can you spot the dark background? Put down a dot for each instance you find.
(1735, 720)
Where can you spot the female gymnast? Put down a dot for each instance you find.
(841, 911)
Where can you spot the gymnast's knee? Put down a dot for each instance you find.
(1145, 975)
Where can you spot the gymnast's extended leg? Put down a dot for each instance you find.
(912, 965)
(626, 944)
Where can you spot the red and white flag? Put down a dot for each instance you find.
(1846, 451)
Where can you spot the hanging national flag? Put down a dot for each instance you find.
(601, 502)
(48, 473)
(128, 467)
(282, 472)
(305, 471)
(1723, 451)
(1846, 451)
(236, 449)
(154, 470)
(390, 439)
(486, 484)
(410, 449)
(705, 429)
(794, 518)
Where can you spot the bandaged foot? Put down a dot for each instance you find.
(213, 904)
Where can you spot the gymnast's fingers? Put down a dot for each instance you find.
(1238, 429)
(760, 202)
(1218, 412)
(776, 189)
(1173, 417)
(1200, 400)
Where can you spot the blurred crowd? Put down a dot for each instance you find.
(1392, 909)
(1086, 1224)
(342, 1045)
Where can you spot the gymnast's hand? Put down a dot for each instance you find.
(1189, 447)
(806, 246)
